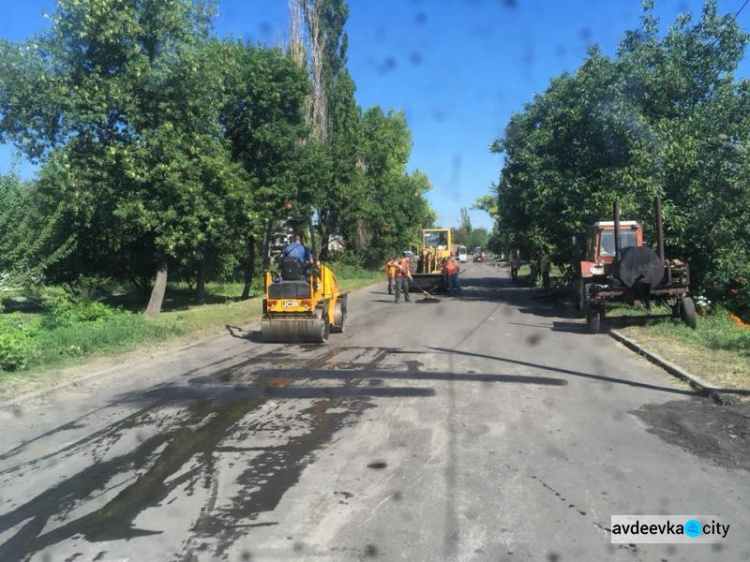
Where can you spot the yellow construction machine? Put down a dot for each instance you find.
(436, 248)
(302, 301)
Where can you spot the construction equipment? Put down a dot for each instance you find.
(302, 302)
(618, 266)
(428, 296)
(427, 272)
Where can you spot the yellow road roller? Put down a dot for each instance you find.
(302, 302)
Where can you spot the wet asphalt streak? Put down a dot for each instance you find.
(488, 428)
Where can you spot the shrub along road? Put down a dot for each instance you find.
(488, 428)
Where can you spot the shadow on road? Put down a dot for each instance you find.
(570, 372)
(176, 432)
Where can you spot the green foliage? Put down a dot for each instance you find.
(32, 238)
(72, 329)
(347, 259)
(389, 209)
(714, 331)
(110, 334)
(160, 144)
(664, 117)
(267, 140)
(17, 344)
(738, 298)
(65, 311)
(120, 101)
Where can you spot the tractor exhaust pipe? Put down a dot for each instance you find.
(659, 228)
(616, 212)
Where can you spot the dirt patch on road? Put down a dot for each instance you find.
(717, 433)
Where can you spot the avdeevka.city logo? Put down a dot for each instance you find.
(668, 529)
(693, 528)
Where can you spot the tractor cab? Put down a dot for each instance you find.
(436, 247)
(601, 239)
(600, 245)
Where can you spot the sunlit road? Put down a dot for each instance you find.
(489, 428)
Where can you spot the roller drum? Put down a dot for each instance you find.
(295, 330)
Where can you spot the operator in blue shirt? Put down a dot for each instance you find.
(297, 250)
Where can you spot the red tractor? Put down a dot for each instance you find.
(618, 266)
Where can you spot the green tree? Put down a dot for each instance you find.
(334, 117)
(121, 100)
(462, 234)
(664, 117)
(263, 116)
(391, 207)
(30, 232)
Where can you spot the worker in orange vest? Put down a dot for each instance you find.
(403, 276)
(451, 269)
(390, 273)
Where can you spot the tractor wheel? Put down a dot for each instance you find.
(593, 321)
(687, 312)
(339, 317)
(575, 294)
(581, 295)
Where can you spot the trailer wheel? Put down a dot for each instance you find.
(687, 312)
(593, 321)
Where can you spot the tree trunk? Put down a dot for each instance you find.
(200, 291)
(249, 267)
(160, 286)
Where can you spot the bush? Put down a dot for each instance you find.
(347, 259)
(120, 330)
(64, 311)
(17, 345)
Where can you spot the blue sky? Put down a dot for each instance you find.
(458, 68)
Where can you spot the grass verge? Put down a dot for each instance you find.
(718, 350)
(35, 347)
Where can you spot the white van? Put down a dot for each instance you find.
(462, 255)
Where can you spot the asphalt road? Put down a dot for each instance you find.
(488, 428)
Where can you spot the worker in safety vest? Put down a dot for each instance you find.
(390, 273)
(452, 270)
(403, 276)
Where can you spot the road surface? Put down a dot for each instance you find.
(487, 428)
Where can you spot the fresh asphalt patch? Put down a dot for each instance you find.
(720, 434)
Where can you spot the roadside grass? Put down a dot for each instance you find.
(718, 350)
(30, 344)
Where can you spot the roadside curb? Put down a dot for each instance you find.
(696, 382)
(112, 370)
